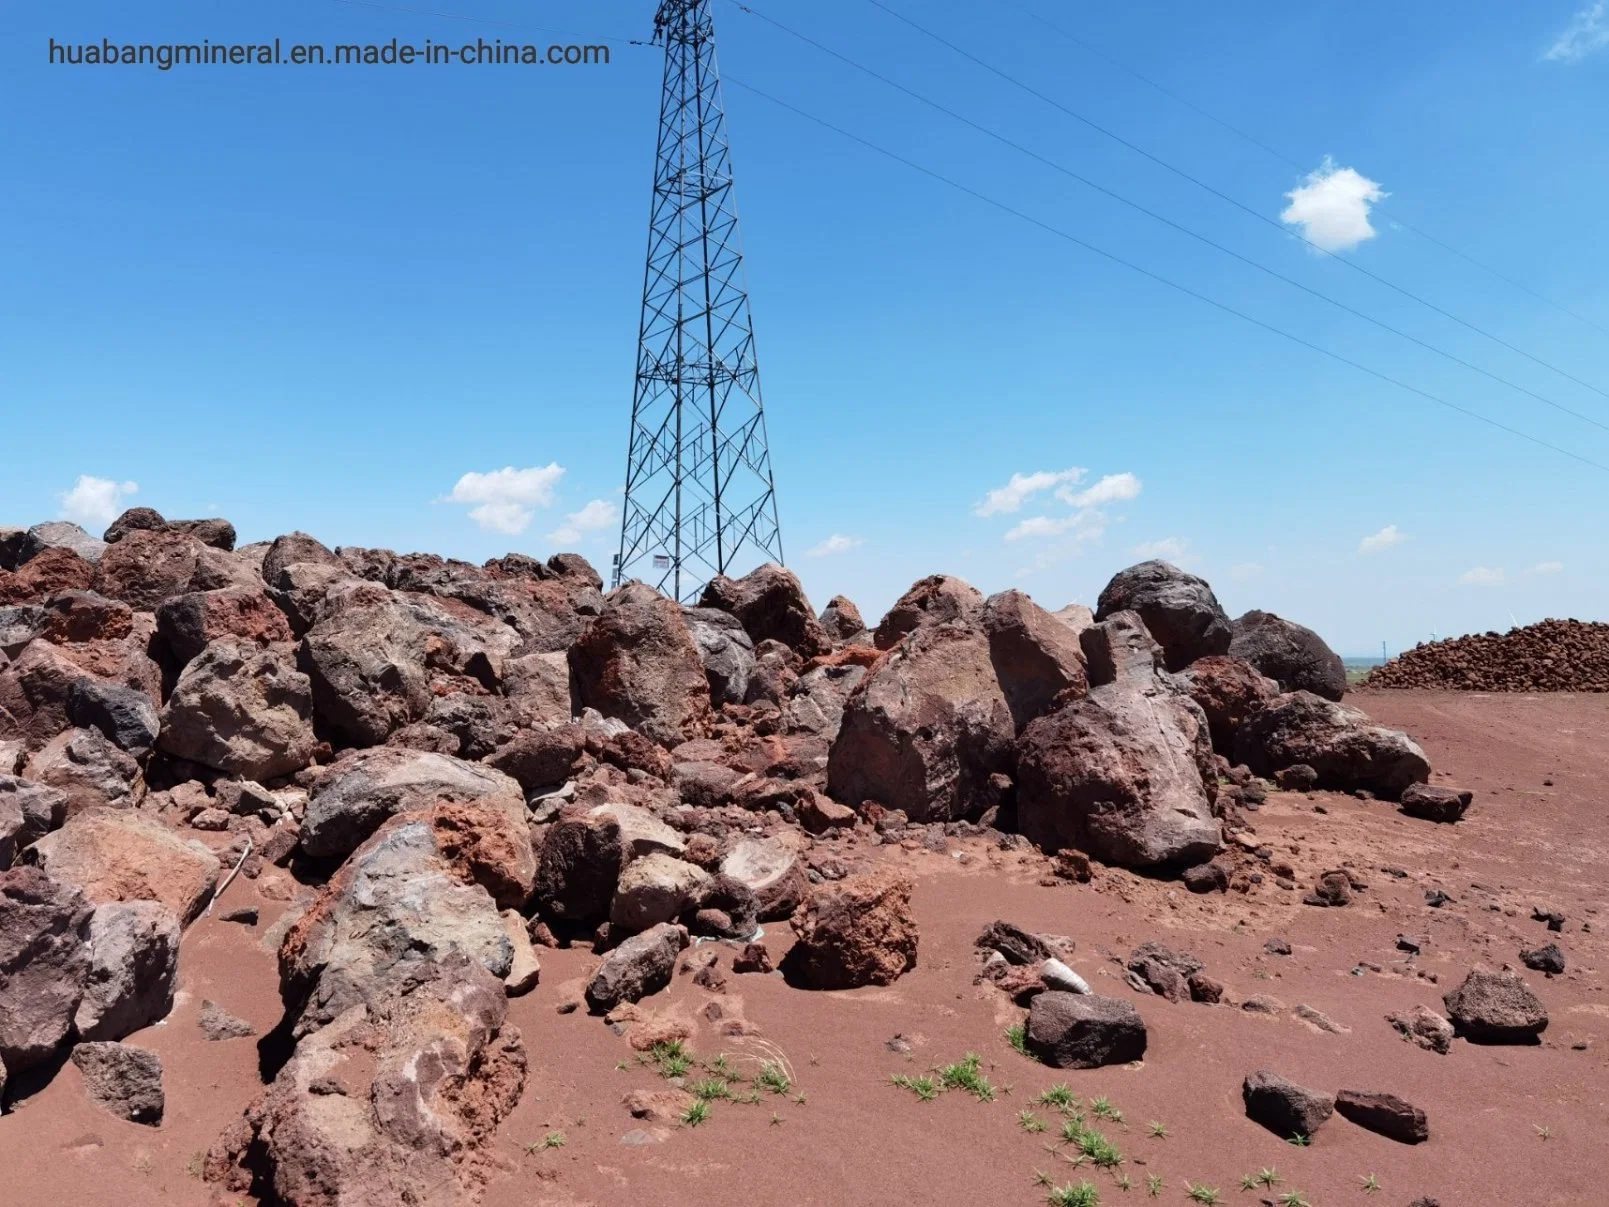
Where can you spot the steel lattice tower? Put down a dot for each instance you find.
(699, 492)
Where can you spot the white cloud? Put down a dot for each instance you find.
(1480, 576)
(1170, 547)
(506, 498)
(1332, 207)
(1022, 487)
(1547, 568)
(1113, 488)
(594, 517)
(1245, 570)
(836, 543)
(1384, 539)
(95, 502)
(1587, 33)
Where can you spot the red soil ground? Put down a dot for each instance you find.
(1513, 1125)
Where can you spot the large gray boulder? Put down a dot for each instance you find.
(243, 710)
(1293, 656)
(44, 958)
(133, 968)
(1126, 773)
(815, 703)
(87, 770)
(1339, 742)
(1036, 657)
(1179, 610)
(726, 649)
(363, 788)
(397, 1102)
(656, 888)
(926, 729)
(59, 534)
(1496, 1008)
(636, 662)
(404, 901)
(28, 811)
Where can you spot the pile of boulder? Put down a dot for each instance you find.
(1549, 656)
(474, 761)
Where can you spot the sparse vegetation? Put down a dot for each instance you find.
(1292, 1198)
(1543, 1133)
(696, 1114)
(672, 1059)
(1092, 1145)
(1102, 1108)
(776, 1119)
(1124, 1182)
(553, 1140)
(1299, 1140)
(1059, 1096)
(1081, 1194)
(1017, 1037)
(1030, 1122)
(710, 1089)
(1153, 1184)
(1248, 1181)
(923, 1086)
(966, 1075)
(1157, 1129)
(196, 1164)
(1268, 1176)
(773, 1077)
(1201, 1193)
(1371, 1184)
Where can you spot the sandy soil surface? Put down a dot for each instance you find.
(1513, 1125)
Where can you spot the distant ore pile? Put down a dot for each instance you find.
(1549, 656)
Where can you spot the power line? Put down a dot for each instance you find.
(1284, 158)
(1149, 213)
(1240, 205)
(1157, 277)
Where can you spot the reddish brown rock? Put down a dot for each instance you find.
(636, 662)
(926, 729)
(1036, 657)
(123, 855)
(188, 623)
(1496, 1008)
(1386, 1114)
(44, 960)
(936, 599)
(1126, 773)
(78, 616)
(147, 567)
(857, 931)
(49, 573)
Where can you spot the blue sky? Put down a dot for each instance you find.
(318, 298)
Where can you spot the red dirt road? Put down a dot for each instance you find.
(856, 1139)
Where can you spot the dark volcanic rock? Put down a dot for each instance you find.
(1341, 744)
(1229, 691)
(125, 716)
(122, 1080)
(1084, 1031)
(842, 621)
(771, 605)
(579, 867)
(1178, 609)
(727, 651)
(1549, 959)
(1430, 802)
(1283, 1107)
(188, 623)
(1496, 1008)
(1293, 656)
(1386, 1114)
(640, 966)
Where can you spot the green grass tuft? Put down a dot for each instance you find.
(1030, 1122)
(965, 1075)
(1080, 1194)
(1102, 1108)
(1201, 1193)
(1017, 1037)
(1292, 1198)
(773, 1077)
(710, 1089)
(698, 1113)
(1059, 1096)
(1153, 1184)
(923, 1086)
(1157, 1129)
